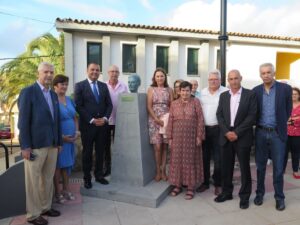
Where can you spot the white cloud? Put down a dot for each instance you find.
(242, 17)
(98, 12)
(146, 4)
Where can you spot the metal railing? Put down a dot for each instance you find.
(6, 154)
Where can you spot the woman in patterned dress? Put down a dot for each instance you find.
(159, 98)
(185, 132)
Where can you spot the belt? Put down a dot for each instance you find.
(268, 129)
(211, 127)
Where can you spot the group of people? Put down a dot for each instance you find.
(49, 127)
(194, 126)
(219, 122)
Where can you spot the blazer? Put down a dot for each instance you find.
(37, 127)
(245, 118)
(283, 106)
(86, 104)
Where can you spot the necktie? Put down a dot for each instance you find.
(49, 101)
(95, 92)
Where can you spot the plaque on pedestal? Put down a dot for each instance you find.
(133, 164)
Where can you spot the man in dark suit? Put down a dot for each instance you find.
(40, 140)
(274, 108)
(94, 106)
(236, 116)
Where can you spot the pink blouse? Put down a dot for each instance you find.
(294, 128)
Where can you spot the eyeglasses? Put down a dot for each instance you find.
(114, 71)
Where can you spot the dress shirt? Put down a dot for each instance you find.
(234, 105)
(209, 103)
(268, 115)
(91, 84)
(114, 93)
(47, 95)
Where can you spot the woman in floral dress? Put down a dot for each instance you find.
(185, 132)
(159, 98)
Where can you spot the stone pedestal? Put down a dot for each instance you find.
(133, 164)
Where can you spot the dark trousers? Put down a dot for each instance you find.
(93, 137)
(293, 145)
(228, 160)
(265, 142)
(211, 147)
(107, 152)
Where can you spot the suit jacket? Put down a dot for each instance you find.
(86, 103)
(37, 127)
(244, 120)
(283, 106)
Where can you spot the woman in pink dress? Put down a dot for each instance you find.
(159, 98)
(185, 132)
(293, 143)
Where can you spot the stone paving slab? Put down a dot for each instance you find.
(202, 210)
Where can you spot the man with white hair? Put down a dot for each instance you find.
(209, 98)
(40, 141)
(195, 85)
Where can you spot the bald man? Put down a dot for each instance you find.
(236, 116)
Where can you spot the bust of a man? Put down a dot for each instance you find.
(134, 81)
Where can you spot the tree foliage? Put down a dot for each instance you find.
(22, 71)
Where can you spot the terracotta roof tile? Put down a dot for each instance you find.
(177, 29)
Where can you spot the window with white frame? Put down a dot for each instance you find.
(94, 53)
(129, 58)
(192, 61)
(162, 57)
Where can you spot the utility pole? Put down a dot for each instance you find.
(223, 38)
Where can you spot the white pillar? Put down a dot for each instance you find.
(173, 61)
(204, 64)
(69, 62)
(105, 56)
(140, 62)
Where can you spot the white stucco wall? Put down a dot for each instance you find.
(245, 57)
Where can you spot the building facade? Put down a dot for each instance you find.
(184, 53)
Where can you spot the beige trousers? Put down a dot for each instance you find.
(39, 181)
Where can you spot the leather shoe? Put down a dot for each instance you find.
(223, 197)
(88, 184)
(218, 190)
(51, 213)
(38, 221)
(244, 204)
(258, 200)
(280, 205)
(202, 188)
(102, 181)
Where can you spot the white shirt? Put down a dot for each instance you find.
(234, 105)
(91, 85)
(209, 103)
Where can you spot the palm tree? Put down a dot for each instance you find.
(22, 71)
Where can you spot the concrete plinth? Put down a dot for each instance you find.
(133, 164)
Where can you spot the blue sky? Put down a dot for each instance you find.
(278, 17)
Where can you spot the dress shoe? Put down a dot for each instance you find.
(244, 204)
(280, 205)
(88, 184)
(223, 197)
(202, 188)
(38, 221)
(102, 181)
(51, 213)
(258, 200)
(218, 190)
